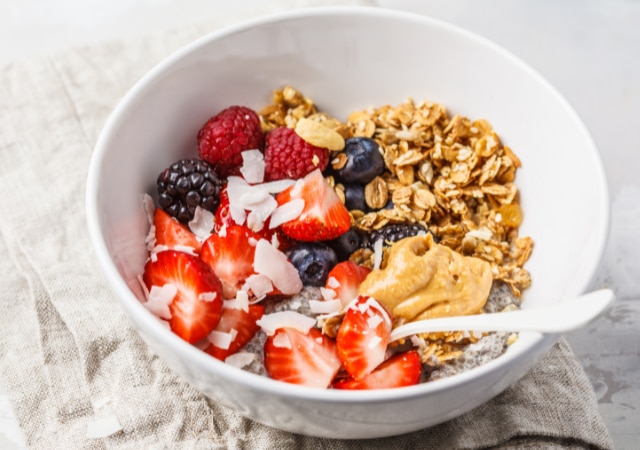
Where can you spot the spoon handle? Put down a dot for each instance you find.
(559, 317)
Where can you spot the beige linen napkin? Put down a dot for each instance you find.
(69, 360)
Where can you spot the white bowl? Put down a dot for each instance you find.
(348, 59)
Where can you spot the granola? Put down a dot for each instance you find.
(451, 174)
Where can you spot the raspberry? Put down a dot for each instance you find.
(226, 135)
(287, 155)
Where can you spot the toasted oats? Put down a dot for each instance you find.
(451, 174)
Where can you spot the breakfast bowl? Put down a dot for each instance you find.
(348, 59)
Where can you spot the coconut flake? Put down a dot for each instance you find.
(374, 320)
(255, 221)
(149, 207)
(374, 342)
(239, 215)
(286, 212)
(271, 262)
(275, 187)
(208, 296)
(252, 166)
(373, 303)
(240, 359)
(417, 342)
(377, 254)
(202, 223)
(285, 319)
(333, 282)
(282, 341)
(242, 298)
(222, 339)
(328, 294)
(260, 285)
(185, 249)
(324, 307)
(481, 233)
(159, 300)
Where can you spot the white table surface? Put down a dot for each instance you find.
(588, 49)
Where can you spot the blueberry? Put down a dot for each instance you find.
(364, 161)
(347, 243)
(354, 197)
(314, 261)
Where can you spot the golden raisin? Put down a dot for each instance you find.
(511, 215)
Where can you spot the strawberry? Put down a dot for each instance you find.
(173, 234)
(197, 305)
(345, 278)
(223, 218)
(230, 253)
(308, 359)
(244, 324)
(323, 216)
(363, 336)
(403, 369)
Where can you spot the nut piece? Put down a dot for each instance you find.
(318, 134)
(376, 194)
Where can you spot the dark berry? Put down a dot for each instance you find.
(364, 161)
(354, 197)
(314, 261)
(347, 243)
(186, 184)
(394, 232)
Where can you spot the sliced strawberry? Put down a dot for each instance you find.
(345, 279)
(197, 305)
(242, 326)
(172, 234)
(230, 253)
(323, 216)
(403, 369)
(307, 359)
(363, 337)
(273, 235)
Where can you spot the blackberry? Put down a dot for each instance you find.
(394, 232)
(186, 184)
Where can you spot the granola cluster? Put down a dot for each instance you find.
(453, 175)
(450, 174)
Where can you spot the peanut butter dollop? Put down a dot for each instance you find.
(424, 280)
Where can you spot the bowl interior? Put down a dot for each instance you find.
(349, 59)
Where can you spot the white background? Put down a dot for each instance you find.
(588, 49)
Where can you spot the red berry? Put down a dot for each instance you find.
(345, 279)
(287, 155)
(323, 216)
(241, 324)
(307, 359)
(363, 337)
(197, 305)
(172, 234)
(226, 135)
(403, 369)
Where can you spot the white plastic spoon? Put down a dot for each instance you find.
(560, 317)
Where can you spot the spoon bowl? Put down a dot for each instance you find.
(566, 315)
